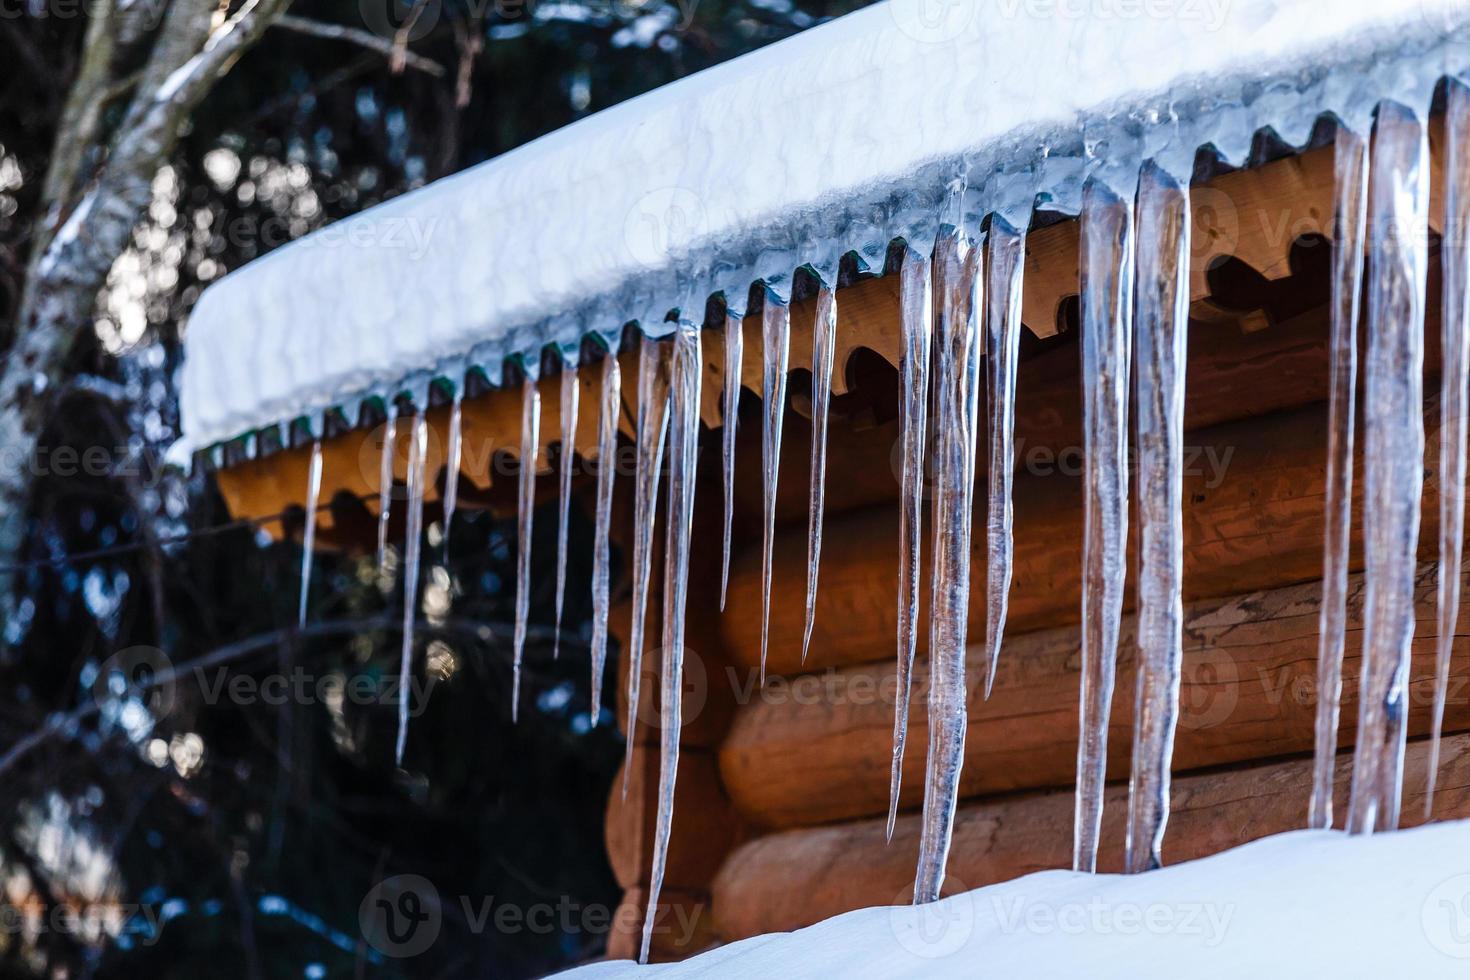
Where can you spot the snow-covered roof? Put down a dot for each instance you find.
(1305, 904)
(838, 140)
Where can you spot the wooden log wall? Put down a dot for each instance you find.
(781, 790)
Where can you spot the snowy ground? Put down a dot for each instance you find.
(1309, 903)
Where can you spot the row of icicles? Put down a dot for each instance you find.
(962, 306)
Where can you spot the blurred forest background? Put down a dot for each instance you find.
(169, 833)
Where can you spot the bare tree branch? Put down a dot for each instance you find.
(402, 37)
(81, 116)
(61, 290)
(361, 38)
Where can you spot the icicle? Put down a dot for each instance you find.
(1393, 459)
(418, 451)
(451, 475)
(683, 456)
(607, 448)
(1454, 404)
(1164, 228)
(525, 511)
(824, 340)
(775, 353)
(385, 481)
(654, 364)
(957, 350)
(569, 392)
(916, 313)
(734, 355)
(308, 539)
(1347, 287)
(1107, 338)
(1005, 268)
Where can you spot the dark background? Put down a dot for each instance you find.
(255, 832)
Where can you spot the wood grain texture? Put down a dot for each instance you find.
(1253, 519)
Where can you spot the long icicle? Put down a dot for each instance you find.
(1005, 268)
(916, 313)
(957, 351)
(418, 451)
(1349, 222)
(385, 480)
(775, 356)
(451, 471)
(1164, 231)
(607, 447)
(308, 538)
(1393, 451)
(734, 355)
(1454, 407)
(654, 362)
(570, 389)
(683, 457)
(1107, 340)
(824, 341)
(525, 512)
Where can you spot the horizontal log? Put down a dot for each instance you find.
(817, 750)
(1253, 519)
(794, 878)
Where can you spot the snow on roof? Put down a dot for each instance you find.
(840, 139)
(1304, 904)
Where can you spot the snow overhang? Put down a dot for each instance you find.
(840, 140)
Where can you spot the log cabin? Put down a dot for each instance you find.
(848, 143)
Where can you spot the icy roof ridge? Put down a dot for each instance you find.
(840, 140)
